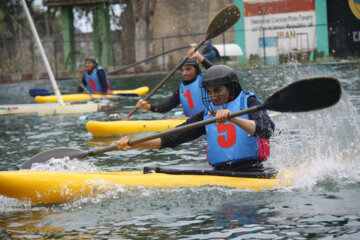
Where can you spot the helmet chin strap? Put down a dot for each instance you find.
(190, 81)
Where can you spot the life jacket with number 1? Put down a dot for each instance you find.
(227, 142)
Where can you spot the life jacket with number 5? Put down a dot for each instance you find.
(227, 142)
(190, 97)
(93, 81)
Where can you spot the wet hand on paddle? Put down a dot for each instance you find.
(222, 116)
(141, 104)
(195, 54)
(123, 143)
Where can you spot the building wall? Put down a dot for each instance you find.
(172, 19)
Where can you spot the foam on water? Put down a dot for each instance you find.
(12, 205)
(65, 164)
(55, 164)
(319, 146)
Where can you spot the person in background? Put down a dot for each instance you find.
(236, 144)
(189, 91)
(210, 52)
(95, 77)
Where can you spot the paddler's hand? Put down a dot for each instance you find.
(141, 104)
(123, 143)
(192, 54)
(222, 116)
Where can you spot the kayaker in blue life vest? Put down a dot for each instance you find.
(238, 144)
(189, 91)
(95, 77)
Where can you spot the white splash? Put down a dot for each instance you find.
(65, 164)
(319, 146)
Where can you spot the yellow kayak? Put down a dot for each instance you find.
(87, 96)
(108, 128)
(53, 187)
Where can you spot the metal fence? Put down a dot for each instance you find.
(22, 56)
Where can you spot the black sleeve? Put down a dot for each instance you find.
(171, 103)
(186, 136)
(264, 125)
(102, 79)
(207, 63)
(80, 88)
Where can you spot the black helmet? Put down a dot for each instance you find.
(219, 75)
(192, 62)
(93, 60)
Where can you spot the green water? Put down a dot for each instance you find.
(320, 147)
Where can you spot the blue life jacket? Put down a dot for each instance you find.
(190, 97)
(93, 82)
(228, 142)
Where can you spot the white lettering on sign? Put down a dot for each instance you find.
(356, 36)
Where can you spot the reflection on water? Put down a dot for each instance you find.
(183, 216)
(321, 148)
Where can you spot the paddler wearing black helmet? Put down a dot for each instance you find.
(95, 78)
(237, 144)
(189, 91)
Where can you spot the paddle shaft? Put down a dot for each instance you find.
(305, 95)
(164, 80)
(301, 96)
(147, 59)
(226, 18)
(176, 130)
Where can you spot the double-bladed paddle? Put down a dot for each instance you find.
(227, 17)
(301, 96)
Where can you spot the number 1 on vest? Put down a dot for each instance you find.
(189, 99)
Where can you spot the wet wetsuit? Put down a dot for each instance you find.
(264, 129)
(174, 100)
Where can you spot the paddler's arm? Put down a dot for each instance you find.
(171, 103)
(123, 144)
(80, 88)
(102, 79)
(248, 126)
(168, 141)
(259, 125)
(185, 136)
(201, 59)
(265, 127)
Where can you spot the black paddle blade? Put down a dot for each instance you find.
(305, 95)
(54, 153)
(227, 17)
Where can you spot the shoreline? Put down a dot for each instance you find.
(65, 75)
